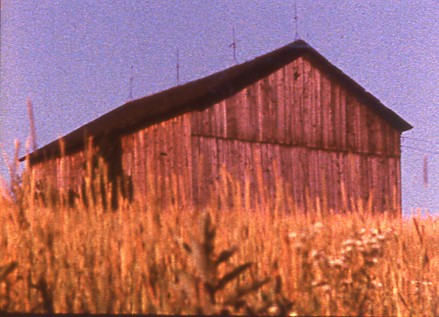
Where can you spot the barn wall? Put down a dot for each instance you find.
(260, 173)
(158, 160)
(299, 105)
(62, 175)
(155, 163)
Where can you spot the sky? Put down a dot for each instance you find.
(77, 60)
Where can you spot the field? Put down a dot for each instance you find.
(141, 259)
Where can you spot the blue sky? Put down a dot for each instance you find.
(74, 60)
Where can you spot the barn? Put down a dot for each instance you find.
(287, 128)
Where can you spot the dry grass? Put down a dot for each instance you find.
(145, 260)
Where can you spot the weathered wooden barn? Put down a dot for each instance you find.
(286, 122)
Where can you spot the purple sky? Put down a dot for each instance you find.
(74, 58)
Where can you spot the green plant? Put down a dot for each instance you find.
(204, 284)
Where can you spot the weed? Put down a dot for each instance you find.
(79, 258)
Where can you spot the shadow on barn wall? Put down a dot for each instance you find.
(102, 179)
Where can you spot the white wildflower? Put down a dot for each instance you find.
(326, 288)
(273, 310)
(336, 262)
(376, 284)
(374, 231)
(347, 249)
(318, 225)
(381, 237)
(348, 242)
(427, 283)
(292, 235)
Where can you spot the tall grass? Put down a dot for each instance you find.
(140, 259)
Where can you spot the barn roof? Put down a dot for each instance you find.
(204, 92)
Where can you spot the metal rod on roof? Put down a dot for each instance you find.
(131, 82)
(233, 46)
(178, 67)
(296, 22)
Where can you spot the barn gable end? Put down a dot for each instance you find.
(299, 105)
(322, 137)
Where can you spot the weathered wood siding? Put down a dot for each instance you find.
(337, 180)
(329, 148)
(299, 105)
(158, 160)
(60, 174)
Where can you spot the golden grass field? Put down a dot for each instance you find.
(141, 259)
